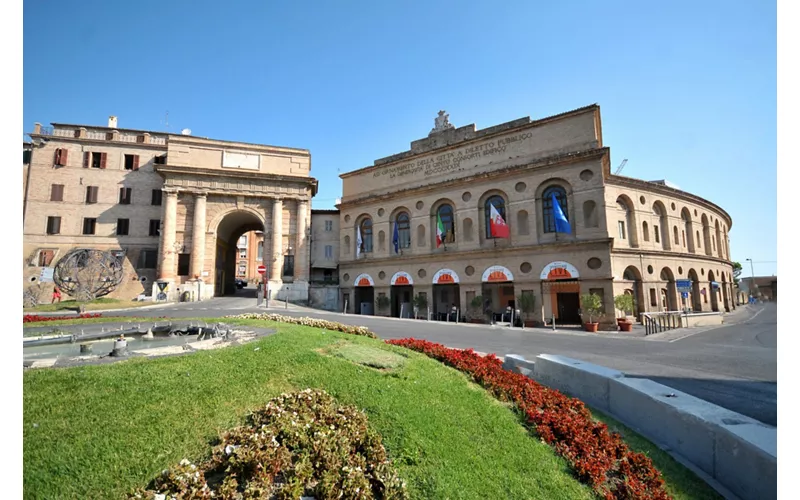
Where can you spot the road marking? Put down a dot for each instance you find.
(756, 314)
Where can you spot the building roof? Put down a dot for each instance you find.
(321, 211)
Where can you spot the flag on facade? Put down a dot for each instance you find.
(359, 242)
(439, 231)
(562, 224)
(497, 225)
(396, 239)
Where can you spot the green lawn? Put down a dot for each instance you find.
(95, 305)
(99, 431)
(83, 321)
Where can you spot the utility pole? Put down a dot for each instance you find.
(752, 279)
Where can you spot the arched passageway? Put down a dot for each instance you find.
(225, 251)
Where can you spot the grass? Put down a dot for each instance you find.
(99, 431)
(95, 305)
(682, 484)
(84, 321)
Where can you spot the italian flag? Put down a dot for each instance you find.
(439, 231)
(497, 225)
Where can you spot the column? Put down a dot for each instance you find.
(301, 270)
(275, 268)
(198, 236)
(166, 257)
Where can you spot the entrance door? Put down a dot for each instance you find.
(401, 301)
(364, 300)
(568, 306)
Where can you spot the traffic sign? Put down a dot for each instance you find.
(683, 285)
(262, 269)
(46, 275)
(685, 295)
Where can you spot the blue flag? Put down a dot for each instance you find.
(396, 239)
(562, 224)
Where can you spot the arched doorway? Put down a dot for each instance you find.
(697, 305)
(497, 290)
(446, 294)
(713, 290)
(669, 292)
(364, 294)
(401, 292)
(634, 277)
(561, 289)
(226, 252)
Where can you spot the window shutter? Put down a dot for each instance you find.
(95, 190)
(86, 157)
(103, 158)
(136, 162)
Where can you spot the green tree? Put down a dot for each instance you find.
(737, 271)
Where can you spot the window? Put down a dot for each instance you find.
(56, 192)
(260, 257)
(46, 257)
(54, 225)
(155, 226)
(148, 259)
(645, 231)
(242, 253)
(156, 197)
(125, 196)
(94, 160)
(89, 225)
(327, 275)
(131, 162)
(548, 216)
(288, 265)
(242, 241)
(445, 212)
(328, 225)
(91, 194)
(403, 230)
(653, 300)
(621, 226)
(183, 264)
(122, 227)
(26, 156)
(329, 252)
(675, 234)
(366, 235)
(656, 234)
(61, 157)
(500, 205)
(242, 269)
(160, 160)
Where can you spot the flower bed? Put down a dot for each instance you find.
(35, 318)
(300, 445)
(316, 323)
(599, 458)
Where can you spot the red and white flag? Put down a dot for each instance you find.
(497, 225)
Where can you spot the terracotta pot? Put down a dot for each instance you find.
(477, 320)
(530, 323)
(626, 326)
(591, 327)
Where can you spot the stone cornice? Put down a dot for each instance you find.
(538, 248)
(670, 255)
(196, 172)
(508, 171)
(100, 142)
(619, 180)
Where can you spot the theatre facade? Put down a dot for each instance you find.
(626, 235)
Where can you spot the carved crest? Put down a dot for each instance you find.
(441, 122)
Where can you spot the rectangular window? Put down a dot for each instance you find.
(327, 275)
(148, 259)
(183, 264)
(288, 265)
(94, 160)
(91, 194)
(89, 225)
(56, 192)
(155, 225)
(160, 160)
(242, 268)
(131, 162)
(621, 225)
(156, 199)
(655, 233)
(242, 253)
(328, 225)
(61, 157)
(125, 195)
(123, 225)
(260, 257)
(653, 300)
(54, 225)
(328, 251)
(45, 257)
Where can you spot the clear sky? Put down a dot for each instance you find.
(687, 90)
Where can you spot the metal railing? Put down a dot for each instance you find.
(657, 322)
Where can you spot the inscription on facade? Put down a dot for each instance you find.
(453, 161)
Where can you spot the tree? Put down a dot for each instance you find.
(526, 302)
(737, 271)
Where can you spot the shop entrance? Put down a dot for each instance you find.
(401, 301)
(445, 298)
(561, 290)
(569, 304)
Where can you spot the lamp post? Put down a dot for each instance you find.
(752, 279)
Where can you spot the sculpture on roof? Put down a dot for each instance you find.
(441, 122)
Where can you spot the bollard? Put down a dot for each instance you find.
(345, 307)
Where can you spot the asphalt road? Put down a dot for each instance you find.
(733, 366)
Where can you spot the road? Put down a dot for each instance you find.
(733, 366)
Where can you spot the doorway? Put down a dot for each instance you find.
(401, 301)
(568, 304)
(364, 300)
(444, 298)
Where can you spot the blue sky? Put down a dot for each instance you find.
(687, 90)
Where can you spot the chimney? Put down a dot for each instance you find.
(112, 122)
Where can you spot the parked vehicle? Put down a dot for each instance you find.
(240, 283)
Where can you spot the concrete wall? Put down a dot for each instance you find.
(737, 453)
(324, 297)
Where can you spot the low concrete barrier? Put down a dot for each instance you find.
(701, 319)
(736, 452)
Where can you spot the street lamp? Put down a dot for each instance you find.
(752, 279)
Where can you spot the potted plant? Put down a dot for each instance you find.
(592, 306)
(476, 309)
(382, 304)
(624, 303)
(420, 304)
(526, 303)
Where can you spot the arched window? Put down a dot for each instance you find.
(500, 205)
(548, 217)
(403, 229)
(645, 231)
(366, 235)
(445, 212)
